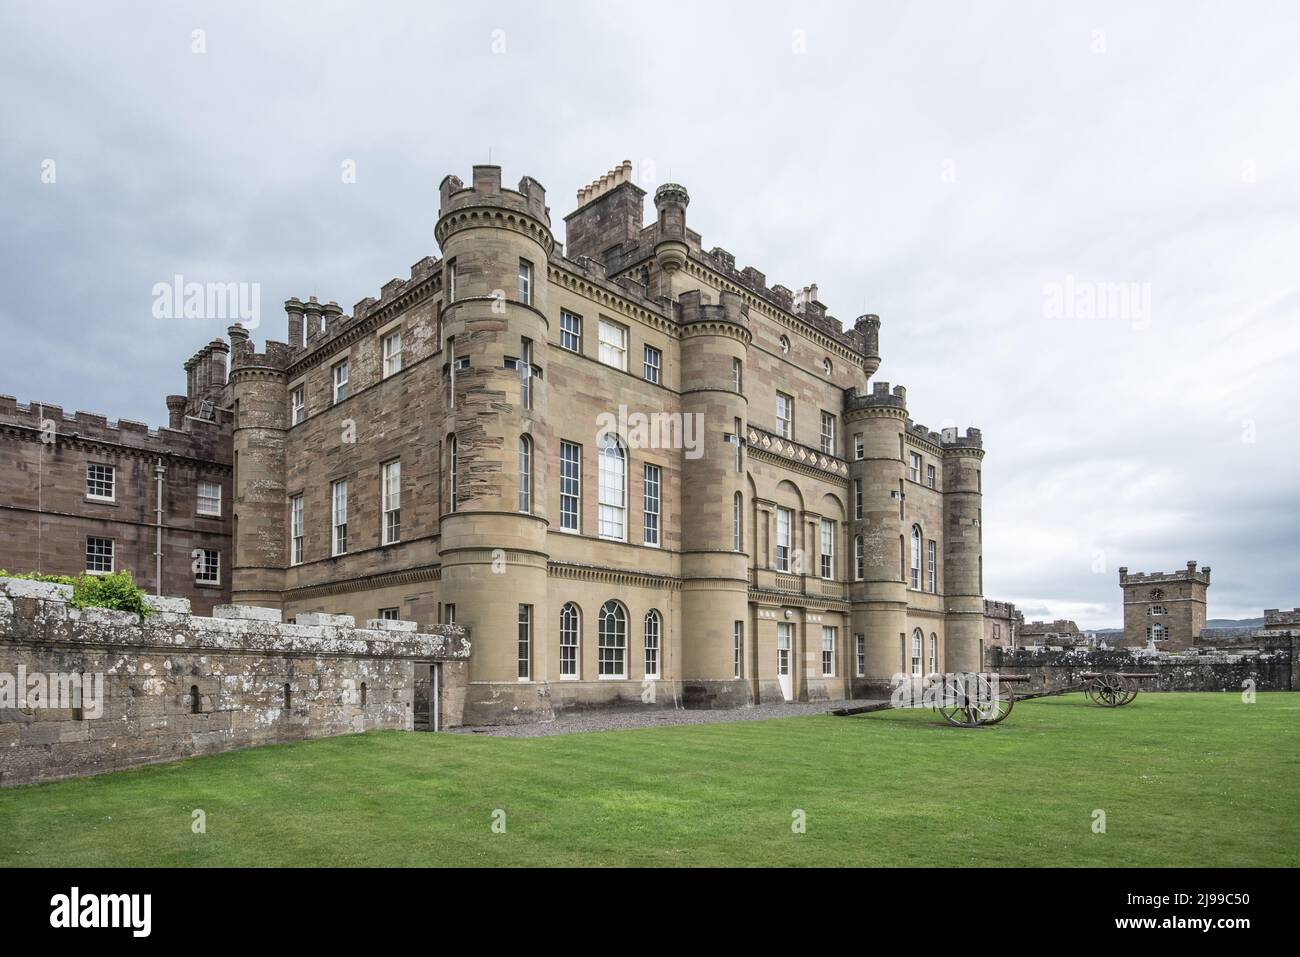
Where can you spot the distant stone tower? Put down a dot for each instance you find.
(496, 245)
(1166, 609)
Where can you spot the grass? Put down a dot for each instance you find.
(1183, 779)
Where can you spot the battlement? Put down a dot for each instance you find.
(277, 355)
(730, 308)
(94, 427)
(924, 433)
(1274, 618)
(1150, 578)
(1061, 626)
(951, 438)
(999, 609)
(880, 397)
(486, 190)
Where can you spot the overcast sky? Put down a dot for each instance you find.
(955, 168)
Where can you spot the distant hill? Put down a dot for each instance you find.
(1235, 623)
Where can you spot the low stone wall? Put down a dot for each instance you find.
(1268, 665)
(89, 690)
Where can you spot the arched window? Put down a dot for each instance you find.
(934, 653)
(1157, 632)
(196, 700)
(653, 629)
(363, 694)
(785, 345)
(525, 474)
(611, 518)
(737, 509)
(859, 558)
(916, 556)
(611, 641)
(570, 632)
(918, 639)
(288, 698)
(451, 473)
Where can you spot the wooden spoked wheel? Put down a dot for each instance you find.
(975, 701)
(1110, 690)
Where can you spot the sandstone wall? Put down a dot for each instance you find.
(176, 685)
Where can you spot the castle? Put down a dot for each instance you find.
(640, 476)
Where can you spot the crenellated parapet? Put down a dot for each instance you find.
(486, 203)
(729, 317)
(955, 443)
(881, 399)
(1190, 573)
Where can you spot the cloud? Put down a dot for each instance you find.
(943, 171)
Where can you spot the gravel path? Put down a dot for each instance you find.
(615, 720)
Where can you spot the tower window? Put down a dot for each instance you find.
(525, 282)
(525, 474)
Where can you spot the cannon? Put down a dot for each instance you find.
(971, 700)
(1110, 689)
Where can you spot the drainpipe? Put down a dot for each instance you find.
(158, 473)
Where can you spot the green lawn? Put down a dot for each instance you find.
(1183, 779)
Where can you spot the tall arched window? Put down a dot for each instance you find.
(918, 639)
(653, 630)
(451, 473)
(859, 557)
(525, 474)
(1157, 632)
(916, 556)
(611, 641)
(570, 630)
(737, 509)
(934, 653)
(611, 517)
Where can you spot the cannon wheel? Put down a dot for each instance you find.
(988, 708)
(1110, 690)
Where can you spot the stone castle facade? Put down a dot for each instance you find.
(640, 476)
(1164, 609)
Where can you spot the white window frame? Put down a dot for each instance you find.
(859, 447)
(390, 487)
(97, 554)
(859, 558)
(452, 465)
(608, 655)
(860, 649)
(525, 282)
(918, 652)
(339, 518)
(570, 642)
(934, 653)
(202, 576)
(570, 331)
(914, 578)
(451, 280)
(611, 522)
(785, 422)
(526, 372)
(857, 499)
(784, 525)
(828, 549)
(651, 521)
(737, 519)
(340, 383)
(105, 477)
(570, 487)
(654, 629)
(914, 466)
(298, 405)
(296, 541)
(737, 375)
(525, 474)
(524, 643)
(738, 647)
(828, 432)
(652, 361)
(828, 651)
(930, 476)
(932, 566)
(392, 351)
(201, 498)
(612, 341)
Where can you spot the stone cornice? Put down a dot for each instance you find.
(611, 576)
(29, 434)
(323, 349)
(773, 448)
(488, 216)
(599, 292)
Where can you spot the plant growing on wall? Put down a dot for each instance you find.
(117, 590)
